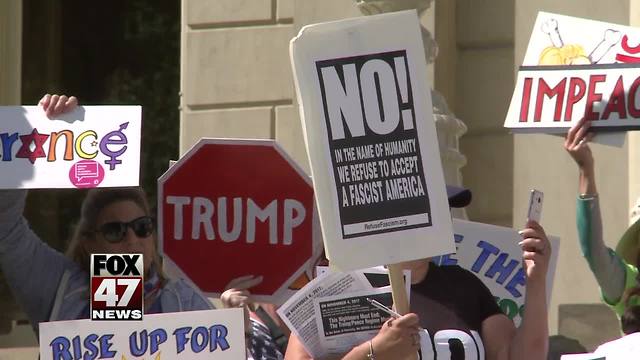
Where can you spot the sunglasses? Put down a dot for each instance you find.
(115, 232)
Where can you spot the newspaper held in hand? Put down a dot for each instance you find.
(335, 329)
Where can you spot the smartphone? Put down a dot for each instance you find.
(535, 205)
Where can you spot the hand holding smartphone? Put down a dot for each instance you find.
(535, 205)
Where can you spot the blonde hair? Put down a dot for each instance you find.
(92, 205)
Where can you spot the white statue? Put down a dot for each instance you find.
(449, 127)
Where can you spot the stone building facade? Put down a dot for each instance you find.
(236, 82)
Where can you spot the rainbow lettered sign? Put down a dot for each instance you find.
(92, 146)
(577, 68)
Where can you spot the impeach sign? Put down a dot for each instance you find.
(577, 68)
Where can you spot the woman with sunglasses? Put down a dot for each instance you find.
(51, 286)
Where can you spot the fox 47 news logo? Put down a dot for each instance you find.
(116, 286)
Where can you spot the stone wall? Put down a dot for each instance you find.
(236, 78)
(483, 86)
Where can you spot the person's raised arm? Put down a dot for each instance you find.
(530, 340)
(576, 143)
(31, 267)
(606, 266)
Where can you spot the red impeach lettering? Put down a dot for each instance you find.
(526, 98)
(627, 48)
(545, 90)
(621, 101)
(627, 59)
(593, 96)
(631, 101)
(573, 97)
(616, 102)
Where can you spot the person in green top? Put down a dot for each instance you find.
(615, 271)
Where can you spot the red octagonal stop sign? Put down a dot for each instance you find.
(230, 208)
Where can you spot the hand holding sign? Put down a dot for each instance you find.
(238, 295)
(398, 338)
(54, 105)
(577, 144)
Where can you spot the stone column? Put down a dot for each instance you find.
(449, 127)
(10, 79)
(10, 51)
(235, 73)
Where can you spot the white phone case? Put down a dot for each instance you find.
(535, 205)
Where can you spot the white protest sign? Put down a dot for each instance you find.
(583, 357)
(92, 146)
(626, 347)
(369, 131)
(492, 253)
(577, 68)
(217, 334)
